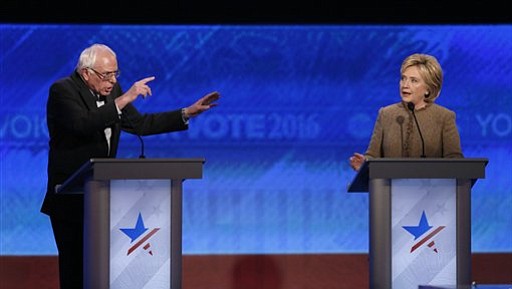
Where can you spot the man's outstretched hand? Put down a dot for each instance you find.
(203, 104)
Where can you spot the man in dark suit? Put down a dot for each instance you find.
(86, 112)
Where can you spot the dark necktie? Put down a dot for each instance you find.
(101, 98)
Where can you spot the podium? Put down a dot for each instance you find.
(132, 220)
(420, 220)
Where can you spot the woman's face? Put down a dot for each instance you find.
(413, 87)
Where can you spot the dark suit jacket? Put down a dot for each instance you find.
(76, 128)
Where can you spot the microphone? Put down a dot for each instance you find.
(400, 120)
(142, 156)
(410, 106)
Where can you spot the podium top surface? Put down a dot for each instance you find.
(417, 168)
(111, 168)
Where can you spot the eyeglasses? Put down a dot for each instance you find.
(106, 75)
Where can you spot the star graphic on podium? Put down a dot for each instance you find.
(139, 229)
(138, 232)
(419, 230)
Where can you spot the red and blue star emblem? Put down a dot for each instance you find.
(140, 233)
(421, 229)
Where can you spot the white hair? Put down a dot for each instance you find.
(88, 56)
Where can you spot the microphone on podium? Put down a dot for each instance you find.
(400, 120)
(410, 106)
(141, 156)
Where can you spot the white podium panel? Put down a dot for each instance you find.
(423, 232)
(140, 234)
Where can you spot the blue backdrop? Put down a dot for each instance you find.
(296, 102)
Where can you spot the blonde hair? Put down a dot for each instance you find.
(429, 69)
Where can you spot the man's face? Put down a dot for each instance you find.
(102, 77)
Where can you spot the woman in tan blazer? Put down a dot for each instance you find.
(396, 134)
